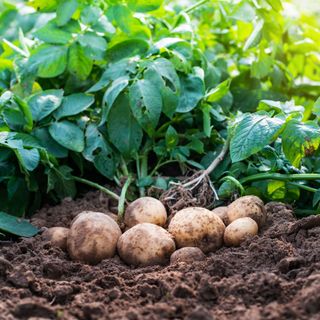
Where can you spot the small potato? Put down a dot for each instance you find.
(248, 206)
(222, 213)
(238, 230)
(145, 209)
(146, 244)
(57, 236)
(93, 237)
(197, 227)
(187, 254)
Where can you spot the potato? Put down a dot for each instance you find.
(57, 236)
(238, 230)
(145, 209)
(222, 213)
(187, 254)
(146, 244)
(93, 237)
(197, 227)
(248, 206)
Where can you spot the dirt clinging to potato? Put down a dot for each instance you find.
(275, 275)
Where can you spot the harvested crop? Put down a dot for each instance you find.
(93, 237)
(197, 227)
(248, 206)
(146, 244)
(222, 213)
(238, 230)
(57, 236)
(145, 209)
(187, 254)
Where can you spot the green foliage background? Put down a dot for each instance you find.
(149, 90)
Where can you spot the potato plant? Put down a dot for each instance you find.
(136, 93)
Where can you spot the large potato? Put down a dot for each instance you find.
(248, 206)
(146, 244)
(187, 254)
(57, 236)
(93, 237)
(222, 213)
(197, 227)
(145, 209)
(238, 230)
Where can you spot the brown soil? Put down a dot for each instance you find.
(275, 275)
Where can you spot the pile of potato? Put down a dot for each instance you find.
(94, 236)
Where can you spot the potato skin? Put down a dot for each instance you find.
(238, 230)
(145, 209)
(248, 206)
(93, 237)
(222, 213)
(146, 244)
(187, 254)
(57, 236)
(197, 227)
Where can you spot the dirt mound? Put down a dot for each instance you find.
(275, 275)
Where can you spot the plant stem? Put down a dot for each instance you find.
(143, 172)
(161, 164)
(124, 167)
(97, 186)
(281, 177)
(123, 197)
(195, 6)
(212, 166)
(304, 187)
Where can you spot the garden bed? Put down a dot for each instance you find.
(275, 275)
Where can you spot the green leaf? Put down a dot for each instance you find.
(78, 63)
(51, 33)
(49, 61)
(113, 72)
(255, 35)
(206, 112)
(219, 91)
(49, 144)
(316, 198)
(111, 95)
(16, 226)
(252, 133)
(171, 137)
(94, 45)
(146, 104)
(28, 158)
(192, 91)
(61, 181)
(144, 5)
(95, 142)
(65, 10)
(105, 165)
(276, 5)
(90, 15)
(316, 108)
(167, 71)
(44, 103)
(124, 131)
(300, 140)
(127, 48)
(74, 104)
(68, 135)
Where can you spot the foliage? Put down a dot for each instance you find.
(149, 90)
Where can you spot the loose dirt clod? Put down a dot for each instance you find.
(276, 276)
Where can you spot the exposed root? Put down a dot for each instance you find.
(196, 190)
(200, 194)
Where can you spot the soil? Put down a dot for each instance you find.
(275, 275)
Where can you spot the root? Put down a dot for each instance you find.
(196, 190)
